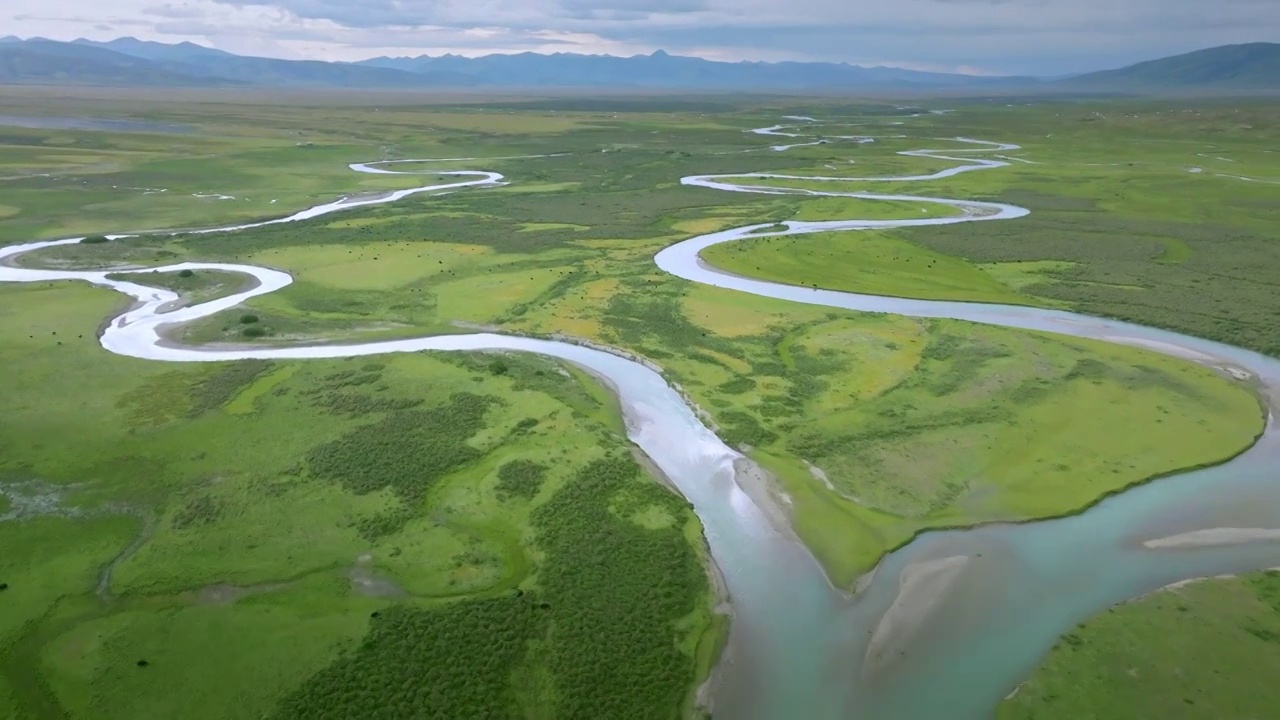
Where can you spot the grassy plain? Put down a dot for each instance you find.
(577, 260)
(1204, 650)
(876, 263)
(877, 427)
(1156, 212)
(310, 534)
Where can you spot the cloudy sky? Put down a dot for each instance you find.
(977, 36)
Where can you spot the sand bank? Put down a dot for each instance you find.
(921, 589)
(1214, 536)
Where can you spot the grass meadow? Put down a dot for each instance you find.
(309, 534)
(1202, 650)
(315, 534)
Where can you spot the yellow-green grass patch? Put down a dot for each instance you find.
(965, 424)
(481, 298)
(843, 208)
(861, 261)
(1018, 275)
(733, 314)
(372, 266)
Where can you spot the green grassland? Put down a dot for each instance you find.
(242, 481)
(1204, 650)
(1159, 213)
(895, 395)
(313, 534)
(879, 427)
(876, 263)
(192, 286)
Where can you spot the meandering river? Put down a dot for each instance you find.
(947, 625)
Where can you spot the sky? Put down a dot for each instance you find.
(1033, 37)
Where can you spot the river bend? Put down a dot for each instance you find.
(948, 624)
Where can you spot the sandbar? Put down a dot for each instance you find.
(1214, 536)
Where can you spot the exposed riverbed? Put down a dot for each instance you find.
(947, 625)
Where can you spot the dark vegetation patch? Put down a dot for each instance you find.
(740, 428)
(378, 526)
(407, 451)
(219, 388)
(520, 478)
(454, 661)
(963, 360)
(531, 372)
(333, 393)
(651, 318)
(200, 511)
(613, 587)
(737, 386)
(356, 404)
(601, 625)
(1266, 585)
(1225, 288)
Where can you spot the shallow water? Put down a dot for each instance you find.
(798, 646)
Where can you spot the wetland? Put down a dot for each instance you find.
(875, 417)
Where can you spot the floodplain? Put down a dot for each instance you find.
(479, 520)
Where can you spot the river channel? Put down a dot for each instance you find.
(947, 625)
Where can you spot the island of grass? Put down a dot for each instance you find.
(192, 286)
(1201, 650)
(318, 534)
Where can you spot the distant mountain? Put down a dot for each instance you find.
(661, 70)
(181, 52)
(132, 62)
(192, 59)
(45, 62)
(1251, 67)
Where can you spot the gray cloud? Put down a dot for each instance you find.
(174, 11)
(1012, 36)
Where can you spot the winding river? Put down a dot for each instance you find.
(947, 625)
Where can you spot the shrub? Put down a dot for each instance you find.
(93, 240)
(248, 319)
(185, 273)
(253, 331)
(520, 478)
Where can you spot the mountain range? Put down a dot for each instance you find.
(130, 62)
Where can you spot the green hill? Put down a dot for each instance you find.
(1250, 67)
